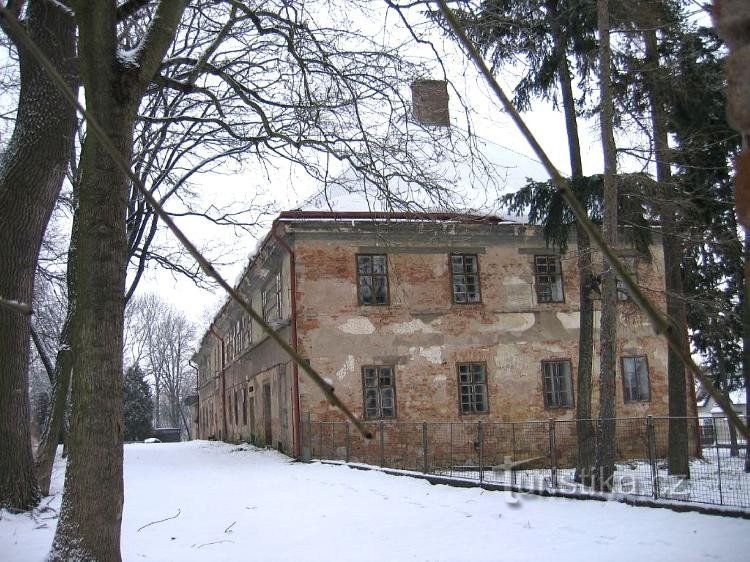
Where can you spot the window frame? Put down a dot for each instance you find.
(379, 388)
(464, 274)
(383, 275)
(473, 384)
(572, 401)
(625, 398)
(538, 275)
(273, 289)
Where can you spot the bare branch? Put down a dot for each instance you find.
(175, 516)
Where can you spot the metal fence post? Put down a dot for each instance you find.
(382, 444)
(348, 442)
(450, 448)
(306, 430)
(552, 453)
(320, 449)
(480, 437)
(718, 460)
(651, 438)
(424, 448)
(513, 453)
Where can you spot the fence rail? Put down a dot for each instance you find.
(535, 455)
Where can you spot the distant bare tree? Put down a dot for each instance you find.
(164, 340)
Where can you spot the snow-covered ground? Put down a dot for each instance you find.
(239, 503)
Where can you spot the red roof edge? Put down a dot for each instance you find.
(385, 215)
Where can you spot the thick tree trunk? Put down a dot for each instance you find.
(32, 170)
(607, 447)
(91, 514)
(678, 447)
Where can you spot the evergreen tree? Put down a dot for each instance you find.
(138, 408)
(554, 39)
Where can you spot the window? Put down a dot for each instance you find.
(379, 392)
(465, 272)
(244, 406)
(630, 266)
(372, 279)
(272, 299)
(472, 388)
(635, 379)
(548, 273)
(558, 386)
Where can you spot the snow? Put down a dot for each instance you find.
(224, 502)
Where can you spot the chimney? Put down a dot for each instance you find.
(430, 102)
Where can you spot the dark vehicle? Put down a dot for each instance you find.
(167, 434)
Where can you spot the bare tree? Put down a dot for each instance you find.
(165, 347)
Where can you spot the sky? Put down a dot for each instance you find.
(285, 188)
(257, 505)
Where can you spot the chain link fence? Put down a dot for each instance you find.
(545, 455)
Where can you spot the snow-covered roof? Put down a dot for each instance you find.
(340, 199)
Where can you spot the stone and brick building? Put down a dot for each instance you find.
(414, 317)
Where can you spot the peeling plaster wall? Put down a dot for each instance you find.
(424, 335)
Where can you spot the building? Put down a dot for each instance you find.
(415, 317)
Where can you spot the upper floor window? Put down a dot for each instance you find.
(465, 272)
(272, 299)
(379, 392)
(472, 388)
(558, 385)
(635, 379)
(372, 279)
(549, 284)
(630, 264)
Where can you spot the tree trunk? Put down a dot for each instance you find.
(678, 444)
(55, 423)
(733, 448)
(584, 427)
(91, 514)
(32, 170)
(157, 401)
(746, 339)
(605, 455)
(45, 456)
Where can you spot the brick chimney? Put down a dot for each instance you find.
(430, 102)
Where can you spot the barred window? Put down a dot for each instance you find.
(472, 388)
(372, 279)
(549, 284)
(558, 386)
(465, 271)
(272, 299)
(379, 387)
(635, 379)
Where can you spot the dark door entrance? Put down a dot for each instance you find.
(267, 414)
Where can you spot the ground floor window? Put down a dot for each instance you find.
(635, 379)
(558, 386)
(472, 388)
(379, 386)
